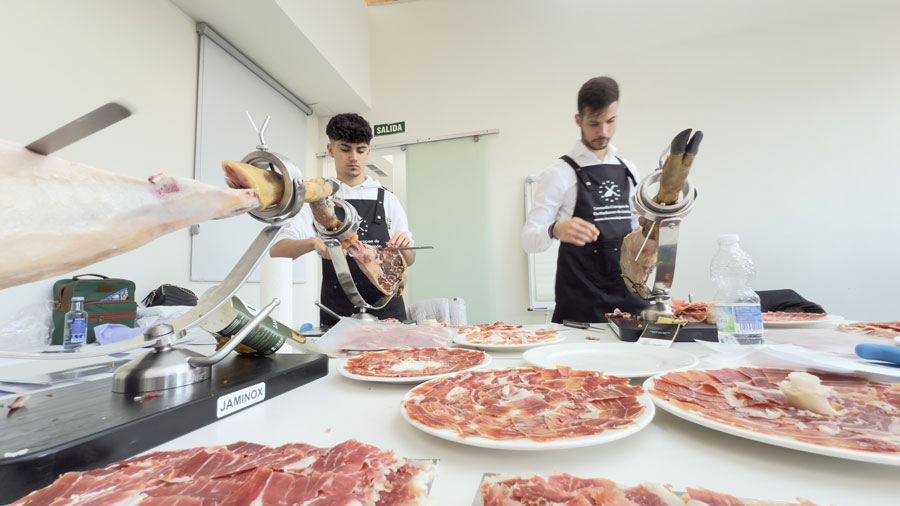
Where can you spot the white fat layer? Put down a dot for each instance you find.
(829, 429)
(415, 365)
(497, 478)
(523, 393)
(302, 463)
(456, 392)
(806, 391)
(670, 498)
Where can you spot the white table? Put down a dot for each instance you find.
(670, 450)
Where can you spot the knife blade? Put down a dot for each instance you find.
(78, 129)
(408, 248)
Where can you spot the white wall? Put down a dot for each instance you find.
(62, 59)
(799, 101)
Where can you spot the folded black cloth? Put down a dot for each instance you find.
(786, 300)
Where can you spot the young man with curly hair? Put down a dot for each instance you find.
(384, 221)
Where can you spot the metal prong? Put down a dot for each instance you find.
(645, 241)
(251, 122)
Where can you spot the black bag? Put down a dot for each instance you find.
(106, 300)
(170, 295)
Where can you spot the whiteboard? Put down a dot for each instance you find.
(226, 90)
(541, 266)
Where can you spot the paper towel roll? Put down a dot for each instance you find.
(276, 280)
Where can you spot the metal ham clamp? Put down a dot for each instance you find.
(655, 243)
(165, 366)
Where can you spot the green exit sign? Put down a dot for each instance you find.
(390, 128)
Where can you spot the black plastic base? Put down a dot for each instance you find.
(87, 426)
(630, 329)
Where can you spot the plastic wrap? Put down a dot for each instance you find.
(351, 336)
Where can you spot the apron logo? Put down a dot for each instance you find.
(609, 191)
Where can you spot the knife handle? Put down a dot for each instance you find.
(882, 352)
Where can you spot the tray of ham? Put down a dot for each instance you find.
(563, 488)
(528, 408)
(411, 365)
(840, 416)
(351, 337)
(780, 319)
(504, 336)
(248, 473)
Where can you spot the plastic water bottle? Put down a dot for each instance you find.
(75, 327)
(738, 315)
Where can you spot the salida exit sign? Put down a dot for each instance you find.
(390, 128)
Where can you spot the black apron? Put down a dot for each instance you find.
(373, 231)
(588, 278)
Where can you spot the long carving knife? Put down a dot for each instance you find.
(78, 129)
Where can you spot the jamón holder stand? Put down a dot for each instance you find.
(667, 217)
(332, 240)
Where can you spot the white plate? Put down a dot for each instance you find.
(411, 379)
(529, 445)
(459, 339)
(783, 441)
(830, 320)
(629, 360)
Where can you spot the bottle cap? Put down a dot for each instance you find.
(77, 299)
(729, 238)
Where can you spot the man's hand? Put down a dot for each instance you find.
(576, 231)
(400, 240)
(321, 248)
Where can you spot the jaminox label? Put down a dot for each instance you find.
(236, 401)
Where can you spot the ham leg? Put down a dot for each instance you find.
(636, 268)
(58, 216)
(384, 269)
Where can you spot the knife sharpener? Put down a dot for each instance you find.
(332, 240)
(667, 217)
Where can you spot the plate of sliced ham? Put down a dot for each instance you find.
(839, 416)
(528, 408)
(782, 320)
(878, 329)
(563, 488)
(629, 360)
(411, 365)
(505, 336)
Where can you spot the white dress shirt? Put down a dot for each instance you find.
(301, 225)
(556, 192)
